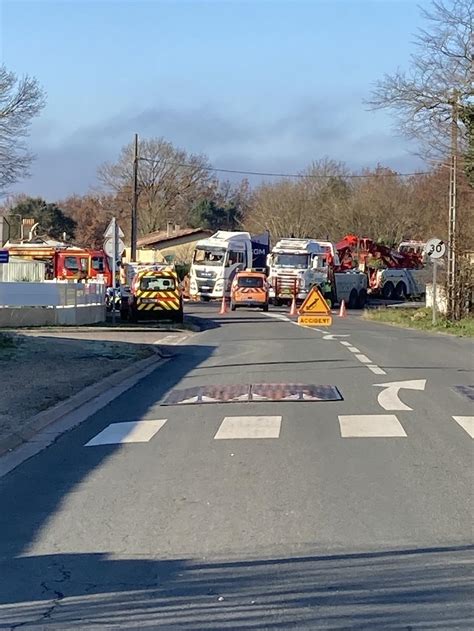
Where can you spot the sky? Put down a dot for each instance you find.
(256, 85)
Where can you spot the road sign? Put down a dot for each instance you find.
(314, 304)
(317, 320)
(109, 246)
(4, 256)
(315, 310)
(435, 248)
(109, 232)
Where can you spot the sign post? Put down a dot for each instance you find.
(435, 249)
(113, 247)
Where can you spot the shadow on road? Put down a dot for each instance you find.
(380, 589)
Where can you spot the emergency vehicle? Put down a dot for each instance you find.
(249, 289)
(152, 293)
(65, 262)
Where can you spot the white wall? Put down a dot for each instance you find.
(55, 302)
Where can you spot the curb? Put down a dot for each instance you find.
(43, 419)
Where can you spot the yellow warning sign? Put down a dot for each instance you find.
(310, 320)
(314, 304)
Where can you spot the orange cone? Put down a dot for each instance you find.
(224, 309)
(342, 309)
(293, 310)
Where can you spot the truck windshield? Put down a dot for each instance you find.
(209, 256)
(291, 260)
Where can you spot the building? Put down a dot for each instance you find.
(175, 242)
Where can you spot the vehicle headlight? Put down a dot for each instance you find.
(219, 284)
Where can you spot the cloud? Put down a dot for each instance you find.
(249, 140)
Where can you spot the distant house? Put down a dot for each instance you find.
(175, 242)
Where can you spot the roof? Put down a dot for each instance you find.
(162, 237)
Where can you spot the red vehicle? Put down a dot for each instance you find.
(66, 262)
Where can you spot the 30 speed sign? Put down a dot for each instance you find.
(435, 248)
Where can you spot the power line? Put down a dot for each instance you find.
(293, 175)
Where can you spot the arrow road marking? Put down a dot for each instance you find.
(389, 399)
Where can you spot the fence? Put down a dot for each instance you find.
(22, 271)
(51, 303)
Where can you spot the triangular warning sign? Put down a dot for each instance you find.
(314, 304)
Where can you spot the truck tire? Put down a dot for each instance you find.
(387, 290)
(400, 291)
(362, 299)
(265, 307)
(353, 300)
(233, 306)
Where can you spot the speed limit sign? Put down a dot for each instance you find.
(435, 248)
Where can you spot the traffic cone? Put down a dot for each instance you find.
(224, 309)
(342, 309)
(293, 310)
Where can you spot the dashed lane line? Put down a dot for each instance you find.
(353, 349)
(364, 359)
(344, 343)
(376, 369)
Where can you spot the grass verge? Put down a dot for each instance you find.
(421, 319)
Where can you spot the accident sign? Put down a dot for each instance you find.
(315, 310)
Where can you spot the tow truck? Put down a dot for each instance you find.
(298, 265)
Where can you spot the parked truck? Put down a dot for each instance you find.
(217, 260)
(297, 265)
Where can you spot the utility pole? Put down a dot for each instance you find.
(452, 228)
(133, 244)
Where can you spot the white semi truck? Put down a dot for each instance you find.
(216, 261)
(297, 265)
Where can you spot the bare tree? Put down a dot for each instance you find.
(441, 70)
(170, 181)
(20, 101)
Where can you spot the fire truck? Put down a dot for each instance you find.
(64, 262)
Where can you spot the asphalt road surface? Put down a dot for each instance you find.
(291, 514)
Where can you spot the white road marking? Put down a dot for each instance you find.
(389, 398)
(278, 316)
(172, 340)
(376, 369)
(467, 423)
(353, 349)
(371, 426)
(364, 359)
(344, 343)
(130, 432)
(249, 427)
(333, 336)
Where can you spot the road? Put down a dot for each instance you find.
(346, 514)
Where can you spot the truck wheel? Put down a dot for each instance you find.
(353, 300)
(387, 290)
(233, 306)
(132, 317)
(265, 307)
(362, 299)
(400, 291)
